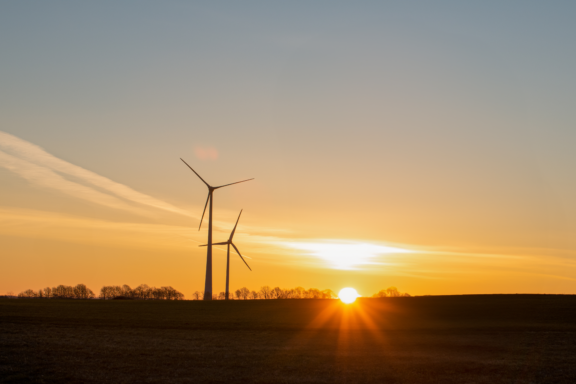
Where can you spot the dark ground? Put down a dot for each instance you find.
(449, 339)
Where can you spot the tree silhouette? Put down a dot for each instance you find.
(266, 292)
(83, 292)
(390, 292)
(47, 292)
(278, 293)
(27, 293)
(145, 292)
(244, 293)
(142, 292)
(393, 292)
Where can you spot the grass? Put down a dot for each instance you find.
(447, 339)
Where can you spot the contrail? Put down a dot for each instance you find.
(38, 166)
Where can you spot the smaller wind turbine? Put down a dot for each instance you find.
(230, 243)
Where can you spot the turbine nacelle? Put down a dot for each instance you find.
(211, 190)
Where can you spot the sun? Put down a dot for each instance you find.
(348, 295)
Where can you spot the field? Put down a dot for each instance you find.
(443, 339)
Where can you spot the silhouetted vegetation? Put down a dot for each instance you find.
(266, 293)
(390, 292)
(142, 292)
(80, 291)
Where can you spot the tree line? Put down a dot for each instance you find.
(144, 292)
(390, 292)
(296, 293)
(266, 292)
(81, 291)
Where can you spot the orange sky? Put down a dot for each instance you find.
(427, 149)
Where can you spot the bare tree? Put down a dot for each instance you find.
(381, 293)
(105, 293)
(27, 294)
(328, 294)
(393, 292)
(47, 292)
(244, 293)
(299, 293)
(278, 293)
(172, 294)
(314, 293)
(141, 292)
(127, 291)
(265, 292)
(390, 292)
(63, 291)
(157, 293)
(81, 291)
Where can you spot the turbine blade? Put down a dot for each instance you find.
(241, 256)
(234, 230)
(205, 245)
(232, 183)
(205, 205)
(208, 185)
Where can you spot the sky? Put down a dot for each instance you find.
(426, 146)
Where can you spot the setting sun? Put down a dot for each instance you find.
(348, 295)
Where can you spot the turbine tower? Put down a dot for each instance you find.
(230, 243)
(211, 189)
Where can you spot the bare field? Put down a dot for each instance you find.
(444, 339)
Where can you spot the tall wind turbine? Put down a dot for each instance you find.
(230, 243)
(211, 189)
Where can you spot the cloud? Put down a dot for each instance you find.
(206, 153)
(44, 170)
(47, 178)
(344, 254)
(39, 167)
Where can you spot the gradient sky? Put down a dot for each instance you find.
(423, 145)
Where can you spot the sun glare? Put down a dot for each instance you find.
(346, 254)
(348, 295)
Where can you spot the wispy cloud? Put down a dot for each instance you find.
(45, 170)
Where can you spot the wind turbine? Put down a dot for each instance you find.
(230, 243)
(211, 189)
